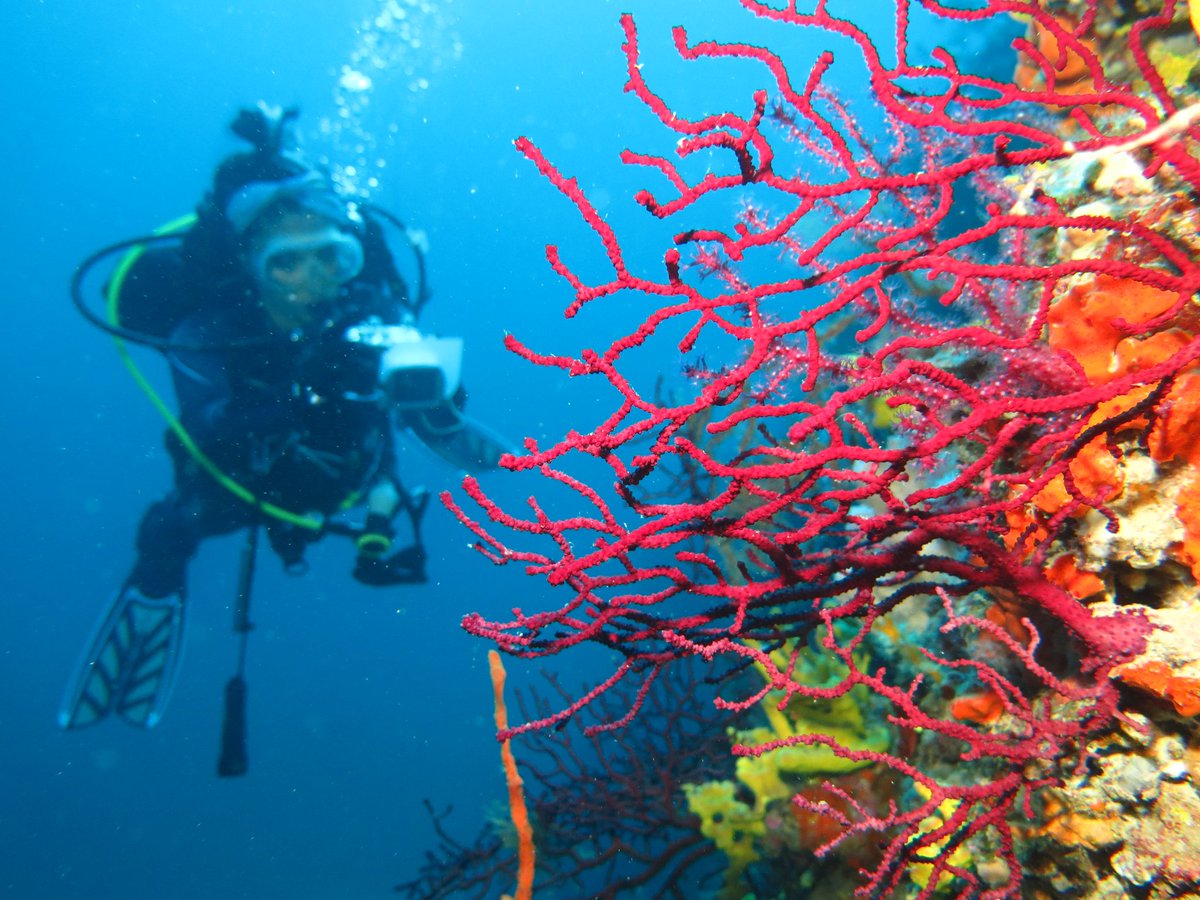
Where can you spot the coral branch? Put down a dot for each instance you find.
(516, 793)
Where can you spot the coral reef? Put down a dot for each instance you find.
(742, 816)
(1122, 824)
(935, 423)
(1125, 825)
(607, 810)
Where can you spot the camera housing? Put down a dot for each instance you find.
(416, 371)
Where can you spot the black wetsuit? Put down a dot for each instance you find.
(298, 421)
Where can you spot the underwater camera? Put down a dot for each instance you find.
(416, 371)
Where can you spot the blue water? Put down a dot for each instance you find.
(362, 702)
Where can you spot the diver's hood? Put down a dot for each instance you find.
(311, 191)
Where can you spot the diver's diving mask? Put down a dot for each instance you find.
(327, 255)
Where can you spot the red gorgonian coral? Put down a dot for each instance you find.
(868, 407)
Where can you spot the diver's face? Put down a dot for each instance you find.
(297, 272)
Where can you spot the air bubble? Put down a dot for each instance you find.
(353, 80)
(401, 45)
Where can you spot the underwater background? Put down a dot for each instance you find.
(363, 702)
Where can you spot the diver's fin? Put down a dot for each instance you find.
(130, 665)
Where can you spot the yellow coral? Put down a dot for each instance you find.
(920, 872)
(1173, 67)
(730, 824)
(840, 718)
(734, 825)
(761, 774)
(884, 415)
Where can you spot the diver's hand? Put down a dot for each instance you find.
(339, 369)
(405, 567)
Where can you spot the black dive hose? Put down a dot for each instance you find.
(81, 272)
(234, 760)
(422, 285)
(162, 344)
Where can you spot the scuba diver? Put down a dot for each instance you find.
(292, 346)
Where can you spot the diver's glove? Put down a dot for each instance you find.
(375, 540)
(407, 566)
(374, 566)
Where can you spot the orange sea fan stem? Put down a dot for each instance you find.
(516, 793)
